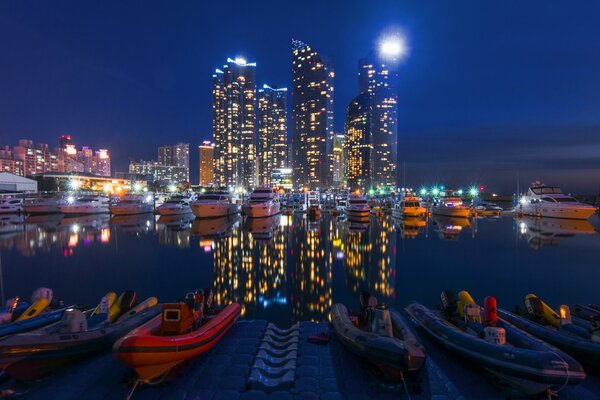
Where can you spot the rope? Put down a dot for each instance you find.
(566, 365)
(405, 387)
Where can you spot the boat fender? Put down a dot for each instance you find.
(34, 310)
(382, 323)
(448, 301)
(495, 335)
(73, 321)
(464, 298)
(548, 313)
(565, 315)
(6, 315)
(490, 312)
(42, 293)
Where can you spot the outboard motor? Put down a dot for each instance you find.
(128, 301)
(448, 302)
(6, 315)
(73, 321)
(382, 322)
(565, 315)
(495, 335)
(42, 293)
(535, 309)
(490, 312)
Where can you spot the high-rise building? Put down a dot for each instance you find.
(272, 132)
(63, 141)
(359, 149)
(339, 161)
(162, 173)
(234, 124)
(378, 77)
(177, 155)
(312, 117)
(102, 163)
(165, 155)
(206, 163)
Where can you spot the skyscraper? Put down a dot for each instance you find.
(234, 123)
(339, 161)
(359, 149)
(177, 155)
(206, 163)
(272, 132)
(378, 77)
(312, 117)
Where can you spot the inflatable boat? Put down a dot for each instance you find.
(513, 356)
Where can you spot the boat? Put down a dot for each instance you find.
(379, 335)
(132, 204)
(576, 336)
(175, 205)
(182, 330)
(262, 203)
(85, 205)
(488, 208)
(549, 201)
(215, 204)
(47, 204)
(10, 205)
(512, 356)
(357, 208)
(313, 208)
(451, 206)
(30, 355)
(409, 206)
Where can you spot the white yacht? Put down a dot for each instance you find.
(357, 208)
(451, 206)
(10, 205)
(547, 201)
(175, 205)
(313, 204)
(47, 204)
(409, 206)
(132, 204)
(263, 202)
(214, 205)
(85, 205)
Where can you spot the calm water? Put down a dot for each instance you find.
(288, 269)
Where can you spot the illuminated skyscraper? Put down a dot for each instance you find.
(234, 123)
(339, 161)
(359, 148)
(206, 163)
(312, 117)
(378, 77)
(272, 132)
(177, 155)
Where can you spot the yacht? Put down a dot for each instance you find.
(132, 204)
(175, 205)
(409, 206)
(548, 201)
(214, 205)
(488, 208)
(85, 205)
(47, 204)
(313, 204)
(451, 206)
(263, 202)
(357, 208)
(10, 205)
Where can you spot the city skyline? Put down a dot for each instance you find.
(472, 107)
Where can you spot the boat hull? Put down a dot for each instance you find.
(213, 210)
(41, 208)
(129, 210)
(552, 211)
(452, 212)
(178, 210)
(262, 210)
(81, 210)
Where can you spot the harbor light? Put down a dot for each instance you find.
(473, 191)
(423, 192)
(74, 184)
(435, 191)
(70, 199)
(137, 187)
(460, 192)
(172, 188)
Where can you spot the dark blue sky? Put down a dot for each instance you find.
(488, 90)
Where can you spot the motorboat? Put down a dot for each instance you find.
(451, 206)
(214, 205)
(85, 205)
(132, 204)
(47, 204)
(263, 202)
(357, 208)
(488, 208)
(512, 356)
(379, 335)
(181, 331)
(175, 205)
(409, 206)
(313, 204)
(549, 201)
(11, 205)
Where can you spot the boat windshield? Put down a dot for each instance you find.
(566, 199)
(211, 197)
(86, 200)
(358, 201)
(411, 204)
(546, 190)
(173, 201)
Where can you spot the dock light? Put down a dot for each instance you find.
(473, 191)
(435, 191)
(137, 187)
(74, 184)
(107, 187)
(172, 188)
(70, 199)
(523, 200)
(460, 192)
(423, 192)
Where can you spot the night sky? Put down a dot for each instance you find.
(488, 91)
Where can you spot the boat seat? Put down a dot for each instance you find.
(176, 319)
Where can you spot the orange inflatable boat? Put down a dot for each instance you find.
(180, 332)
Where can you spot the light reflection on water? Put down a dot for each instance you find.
(288, 269)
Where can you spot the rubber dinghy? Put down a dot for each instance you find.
(182, 331)
(31, 355)
(576, 335)
(515, 357)
(381, 336)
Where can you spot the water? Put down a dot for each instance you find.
(287, 269)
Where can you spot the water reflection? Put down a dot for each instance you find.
(540, 232)
(449, 228)
(174, 230)
(410, 227)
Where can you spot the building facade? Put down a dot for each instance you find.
(234, 124)
(359, 149)
(312, 117)
(206, 163)
(177, 155)
(339, 161)
(272, 132)
(165, 174)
